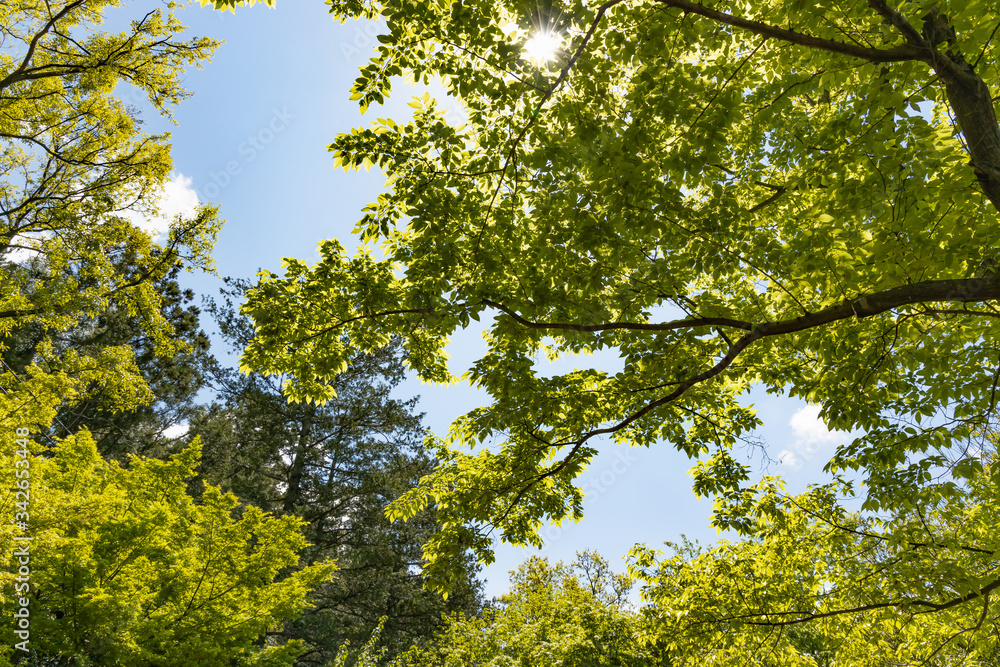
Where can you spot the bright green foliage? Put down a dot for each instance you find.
(915, 588)
(231, 5)
(728, 195)
(127, 570)
(800, 197)
(553, 616)
(174, 380)
(75, 170)
(74, 162)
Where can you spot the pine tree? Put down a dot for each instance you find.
(336, 466)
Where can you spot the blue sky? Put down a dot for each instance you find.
(253, 140)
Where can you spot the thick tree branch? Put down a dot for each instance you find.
(968, 95)
(16, 75)
(895, 54)
(23, 312)
(972, 105)
(960, 290)
(969, 597)
(628, 326)
(898, 22)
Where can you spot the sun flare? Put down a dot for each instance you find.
(542, 47)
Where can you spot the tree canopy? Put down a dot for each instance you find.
(797, 197)
(812, 583)
(570, 616)
(335, 466)
(127, 569)
(80, 186)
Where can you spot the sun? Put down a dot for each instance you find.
(543, 47)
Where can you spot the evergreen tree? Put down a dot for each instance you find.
(336, 466)
(173, 380)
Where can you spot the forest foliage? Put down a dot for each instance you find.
(140, 550)
(799, 198)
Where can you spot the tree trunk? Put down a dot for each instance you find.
(294, 489)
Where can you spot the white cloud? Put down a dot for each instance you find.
(811, 435)
(178, 197)
(24, 250)
(176, 431)
(788, 458)
(810, 428)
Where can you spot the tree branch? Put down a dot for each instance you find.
(895, 54)
(897, 21)
(968, 95)
(630, 326)
(972, 105)
(807, 616)
(959, 290)
(15, 76)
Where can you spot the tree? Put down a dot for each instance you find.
(172, 380)
(76, 173)
(572, 616)
(814, 584)
(126, 569)
(795, 197)
(336, 466)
